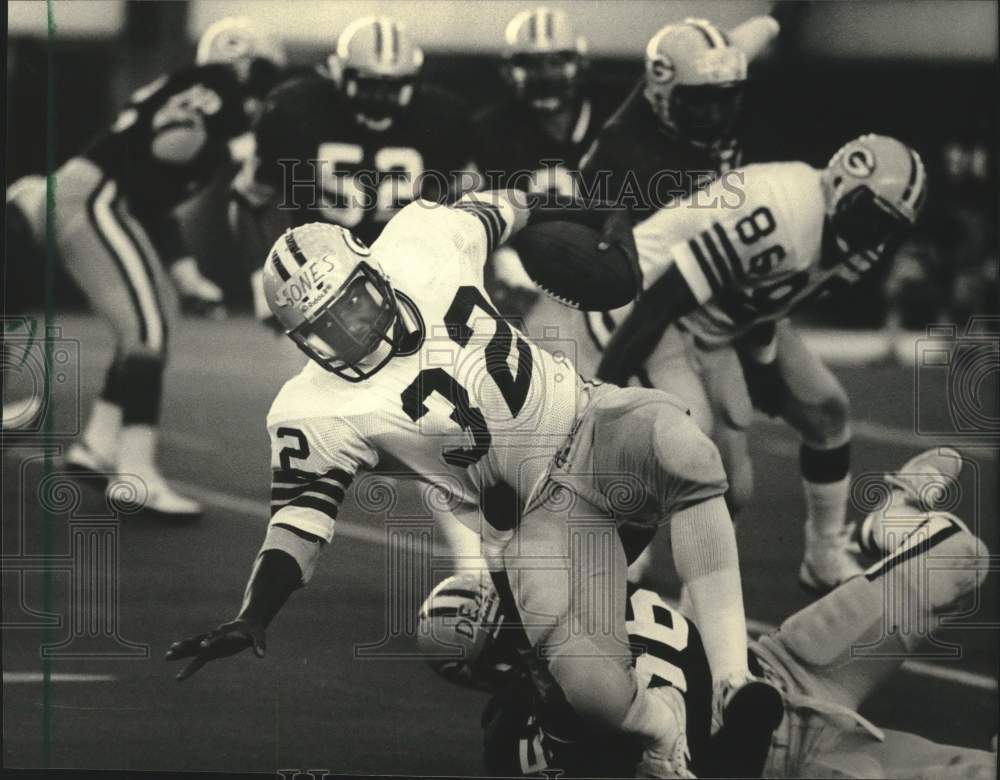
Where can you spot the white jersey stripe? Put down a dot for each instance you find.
(131, 262)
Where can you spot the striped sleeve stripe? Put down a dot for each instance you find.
(718, 261)
(727, 247)
(287, 477)
(489, 215)
(310, 501)
(331, 490)
(694, 268)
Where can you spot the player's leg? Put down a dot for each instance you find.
(842, 647)
(565, 574)
(110, 257)
(901, 756)
(732, 412)
(817, 406)
(647, 441)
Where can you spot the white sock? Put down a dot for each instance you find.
(705, 555)
(826, 506)
(137, 454)
(103, 429)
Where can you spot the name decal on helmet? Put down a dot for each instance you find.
(297, 289)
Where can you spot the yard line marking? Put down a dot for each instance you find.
(37, 677)
(259, 509)
(982, 682)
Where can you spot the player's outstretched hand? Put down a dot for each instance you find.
(228, 639)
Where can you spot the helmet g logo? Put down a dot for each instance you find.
(661, 69)
(860, 162)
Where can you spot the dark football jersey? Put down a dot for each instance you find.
(638, 163)
(205, 99)
(514, 149)
(327, 166)
(523, 736)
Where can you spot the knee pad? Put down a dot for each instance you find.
(827, 422)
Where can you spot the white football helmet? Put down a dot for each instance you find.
(333, 300)
(458, 628)
(694, 80)
(238, 41)
(376, 64)
(544, 59)
(874, 188)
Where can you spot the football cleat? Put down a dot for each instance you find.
(544, 59)
(874, 188)
(694, 81)
(83, 460)
(925, 478)
(150, 493)
(745, 714)
(827, 562)
(921, 485)
(376, 65)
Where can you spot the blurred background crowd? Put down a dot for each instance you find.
(923, 71)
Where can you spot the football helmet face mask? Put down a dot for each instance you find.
(874, 188)
(694, 81)
(544, 61)
(333, 300)
(255, 56)
(377, 66)
(458, 632)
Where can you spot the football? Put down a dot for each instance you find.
(562, 258)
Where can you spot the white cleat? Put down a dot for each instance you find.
(927, 478)
(827, 561)
(150, 493)
(672, 759)
(923, 484)
(82, 459)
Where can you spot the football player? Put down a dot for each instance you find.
(722, 272)
(533, 139)
(422, 376)
(351, 143)
(113, 223)
(817, 658)
(678, 128)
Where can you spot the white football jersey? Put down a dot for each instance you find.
(476, 404)
(748, 246)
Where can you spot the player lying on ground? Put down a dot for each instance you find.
(930, 562)
(112, 220)
(723, 270)
(421, 377)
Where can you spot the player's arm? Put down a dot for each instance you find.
(634, 340)
(308, 485)
(687, 281)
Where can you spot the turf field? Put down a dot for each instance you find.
(313, 702)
